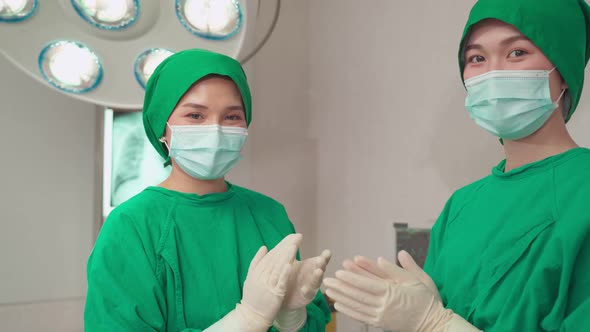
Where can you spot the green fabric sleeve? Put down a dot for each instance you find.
(123, 289)
(577, 320)
(578, 310)
(436, 235)
(451, 210)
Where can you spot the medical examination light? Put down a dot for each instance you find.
(104, 51)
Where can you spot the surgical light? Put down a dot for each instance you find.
(146, 63)
(212, 19)
(104, 51)
(107, 14)
(70, 66)
(17, 10)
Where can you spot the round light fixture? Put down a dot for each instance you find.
(70, 66)
(112, 67)
(17, 10)
(212, 19)
(108, 14)
(146, 63)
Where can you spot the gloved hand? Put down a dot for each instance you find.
(304, 282)
(387, 296)
(405, 260)
(265, 288)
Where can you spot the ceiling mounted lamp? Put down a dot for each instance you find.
(107, 14)
(147, 62)
(213, 19)
(107, 57)
(17, 10)
(70, 66)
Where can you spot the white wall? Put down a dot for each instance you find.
(46, 204)
(282, 153)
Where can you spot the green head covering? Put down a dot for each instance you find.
(174, 76)
(559, 28)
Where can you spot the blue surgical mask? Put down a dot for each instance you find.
(206, 152)
(511, 104)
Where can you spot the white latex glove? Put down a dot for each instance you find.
(304, 282)
(387, 296)
(405, 260)
(265, 288)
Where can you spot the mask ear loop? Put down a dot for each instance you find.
(163, 140)
(558, 99)
(562, 90)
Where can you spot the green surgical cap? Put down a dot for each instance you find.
(559, 28)
(174, 76)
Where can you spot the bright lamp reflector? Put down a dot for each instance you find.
(16, 10)
(70, 66)
(147, 62)
(107, 14)
(214, 19)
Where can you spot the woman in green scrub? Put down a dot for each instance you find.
(510, 252)
(190, 254)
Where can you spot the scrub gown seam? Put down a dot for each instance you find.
(467, 202)
(501, 268)
(555, 200)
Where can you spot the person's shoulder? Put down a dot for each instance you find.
(142, 213)
(260, 203)
(257, 198)
(572, 177)
(461, 198)
(576, 166)
(466, 192)
(143, 203)
(137, 225)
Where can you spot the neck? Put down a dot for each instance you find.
(552, 139)
(182, 182)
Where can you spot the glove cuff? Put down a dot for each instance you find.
(458, 324)
(250, 319)
(438, 318)
(240, 319)
(290, 320)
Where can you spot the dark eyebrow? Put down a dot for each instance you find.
(504, 42)
(473, 47)
(234, 108)
(194, 105)
(512, 39)
(203, 107)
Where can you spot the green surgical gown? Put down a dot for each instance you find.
(511, 252)
(170, 261)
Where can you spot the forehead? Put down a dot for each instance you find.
(214, 85)
(491, 30)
